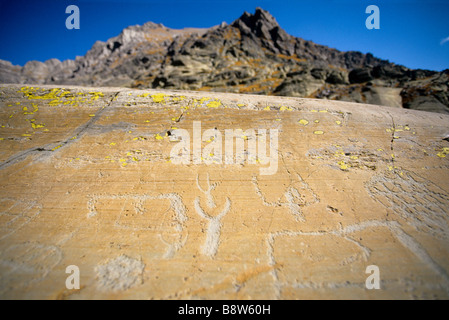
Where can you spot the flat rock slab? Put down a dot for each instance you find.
(88, 179)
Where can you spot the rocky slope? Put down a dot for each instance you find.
(251, 55)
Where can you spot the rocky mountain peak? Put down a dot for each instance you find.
(251, 55)
(261, 23)
(260, 18)
(152, 25)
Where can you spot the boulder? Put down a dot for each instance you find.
(134, 189)
(360, 75)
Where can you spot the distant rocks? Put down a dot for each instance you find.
(360, 75)
(427, 94)
(253, 54)
(9, 73)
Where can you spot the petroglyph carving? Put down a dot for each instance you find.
(175, 239)
(295, 200)
(394, 227)
(420, 202)
(210, 246)
(210, 187)
(14, 214)
(173, 247)
(24, 264)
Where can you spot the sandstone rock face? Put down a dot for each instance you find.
(90, 178)
(253, 55)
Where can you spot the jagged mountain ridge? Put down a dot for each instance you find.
(253, 54)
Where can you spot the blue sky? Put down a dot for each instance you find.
(411, 31)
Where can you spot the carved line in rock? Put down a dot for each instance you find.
(28, 211)
(47, 150)
(210, 246)
(394, 227)
(210, 187)
(176, 204)
(295, 200)
(417, 200)
(24, 264)
(212, 241)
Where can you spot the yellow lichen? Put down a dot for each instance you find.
(214, 104)
(303, 122)
(37, 126)
(318, 132)
(158, 97)
(342, 165)
(443, 153)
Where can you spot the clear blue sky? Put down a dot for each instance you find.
(411, 31)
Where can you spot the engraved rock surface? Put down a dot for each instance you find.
(87, 179)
